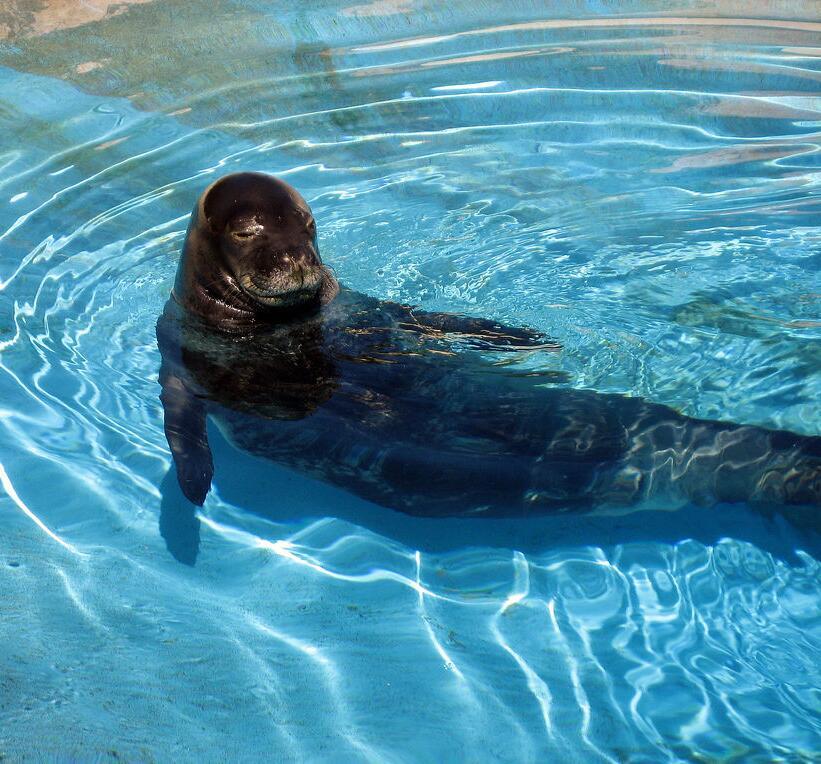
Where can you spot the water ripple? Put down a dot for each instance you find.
(643, 188)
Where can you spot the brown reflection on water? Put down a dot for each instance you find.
(18, 18)
(760, 107)
(737, 155)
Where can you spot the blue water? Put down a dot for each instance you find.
(639, 181)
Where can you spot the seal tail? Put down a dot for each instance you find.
(767, 469)
(793, 475)
(669, 456)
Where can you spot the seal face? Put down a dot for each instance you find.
(250, 253)
(383, 399)
(266, 234)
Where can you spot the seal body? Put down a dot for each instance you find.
(395, 405)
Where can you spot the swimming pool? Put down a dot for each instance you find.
(638, 182)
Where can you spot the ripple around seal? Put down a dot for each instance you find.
(642, 188)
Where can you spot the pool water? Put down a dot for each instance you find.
(639, 181)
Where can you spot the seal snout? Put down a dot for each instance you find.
(277, 267)
(284, 285)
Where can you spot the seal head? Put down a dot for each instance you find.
(251, 255)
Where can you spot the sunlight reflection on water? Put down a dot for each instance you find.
(642, 188)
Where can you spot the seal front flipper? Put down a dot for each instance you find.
(481, 333)
(187, 437)
(184, 411)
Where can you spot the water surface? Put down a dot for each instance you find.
(638, 181)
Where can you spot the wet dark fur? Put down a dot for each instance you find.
(395, 405)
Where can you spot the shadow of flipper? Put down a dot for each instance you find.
(179, 525)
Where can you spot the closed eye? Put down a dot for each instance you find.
(247, 230)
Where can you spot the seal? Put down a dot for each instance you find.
(396, 405)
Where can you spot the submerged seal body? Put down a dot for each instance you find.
(390, 402)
